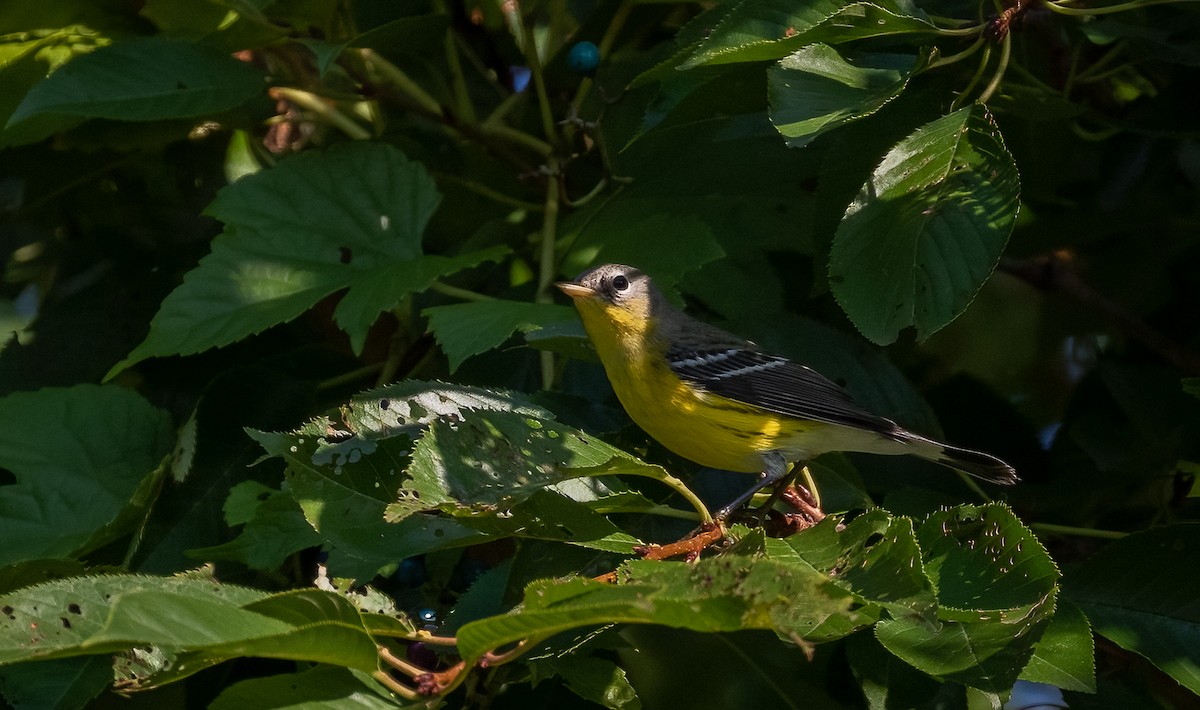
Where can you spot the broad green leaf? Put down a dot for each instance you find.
(301, 625)
(1137, 593)
(143, 80)
(320, 688)
(349, 217)
(156, 617)
(1065, 657)
(275, 528)
(758, 30)
(344, 474)
(927, 228)
(727, 593)
(816, 89)
(996, 587)
(79, 456)
(467, 329)
(343, 478)
(58, 619)
(225, 26)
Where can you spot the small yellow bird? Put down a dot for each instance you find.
(719, 400)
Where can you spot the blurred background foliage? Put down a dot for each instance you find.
(723, 147)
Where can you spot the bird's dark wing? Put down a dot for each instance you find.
(773, 383)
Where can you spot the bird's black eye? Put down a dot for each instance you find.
(620, 283)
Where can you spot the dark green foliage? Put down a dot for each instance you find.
(347, 437)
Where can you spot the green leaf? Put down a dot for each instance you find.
(816, 89)
(143, 80)
(596, 679)
(467, 329)
(758, 30)
(996, 587)
(58, 619)
(320, 688)
(275, 528)
(1065, 657)
(728, 593)
(888, 683)
(301, 625)
(62, 683)
(344, 475)
(927, 228)
(875, 557)
(1136, 593)
(349, 217)
(79, 456)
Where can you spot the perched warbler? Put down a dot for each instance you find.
(719, 400)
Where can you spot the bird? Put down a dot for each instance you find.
(723, 402)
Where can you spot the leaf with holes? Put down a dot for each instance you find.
(996, 587)
(727, 593)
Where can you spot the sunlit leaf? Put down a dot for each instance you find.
(349, 217)
(816, 89)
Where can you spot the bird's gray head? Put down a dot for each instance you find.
(616, 284)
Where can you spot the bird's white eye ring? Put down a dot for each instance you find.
(620, 283)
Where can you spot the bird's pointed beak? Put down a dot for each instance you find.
(575, 290)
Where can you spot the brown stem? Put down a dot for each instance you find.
(690, 547)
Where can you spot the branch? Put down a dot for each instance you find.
(1056, 272)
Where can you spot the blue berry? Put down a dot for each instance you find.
(583, 58)
(427, 616)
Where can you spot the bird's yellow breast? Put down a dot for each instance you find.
(706, 428)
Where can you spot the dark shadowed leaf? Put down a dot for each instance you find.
(79, 457)
(467, 329)
(144, 80)
(1136, 593)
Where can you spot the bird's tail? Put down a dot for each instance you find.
(976, 463)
